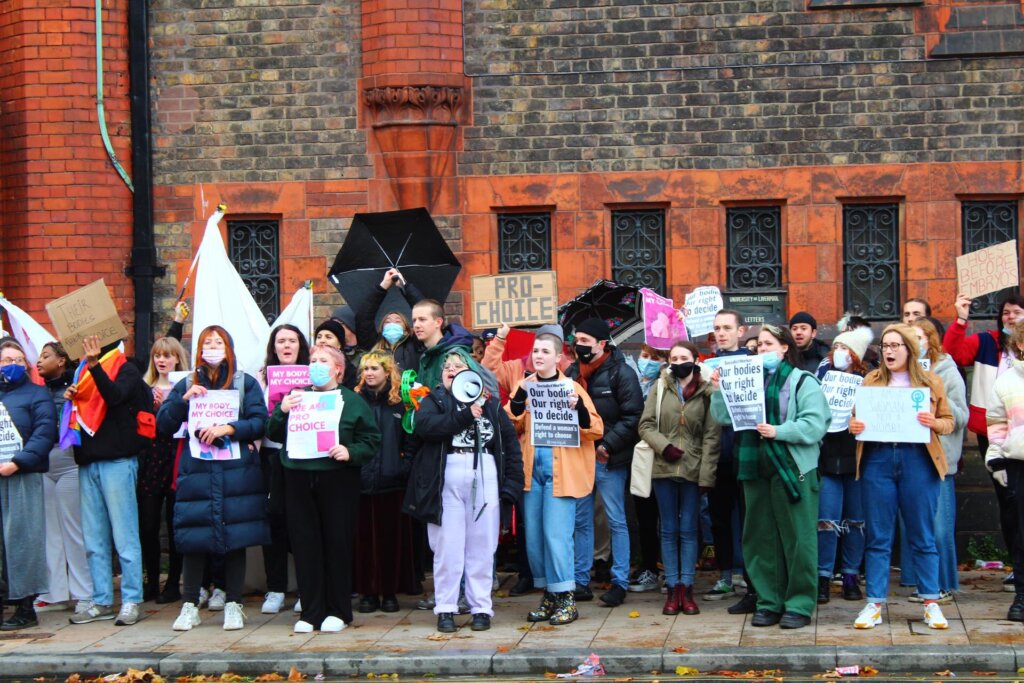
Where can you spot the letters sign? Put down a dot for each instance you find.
(83, 313)
(515, 299)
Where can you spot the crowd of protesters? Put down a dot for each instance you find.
(95, 459)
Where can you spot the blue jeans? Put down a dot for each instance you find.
(110, 516)
(679, 506)
(899, 479)
(945, 542)
(550, 520)
(840, 512)
(611, 484)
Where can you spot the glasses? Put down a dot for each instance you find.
(12, 361)
(891, 347)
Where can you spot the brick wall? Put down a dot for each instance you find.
(629, 85)
(65, 214)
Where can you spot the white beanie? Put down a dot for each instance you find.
(856, 340)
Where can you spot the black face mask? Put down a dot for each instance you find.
(682, 370)
(584, 353)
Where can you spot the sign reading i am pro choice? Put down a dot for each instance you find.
(552, 421)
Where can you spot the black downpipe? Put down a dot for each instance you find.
(143, 269)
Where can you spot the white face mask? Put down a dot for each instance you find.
(213, 356)
(841, 359)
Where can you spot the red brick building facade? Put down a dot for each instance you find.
(720, 121)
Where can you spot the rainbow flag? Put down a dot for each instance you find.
(86, 411)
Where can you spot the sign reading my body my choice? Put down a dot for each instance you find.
(889, 414)
(213, 408)
(552, 421)
(83, 313)
(515, 299)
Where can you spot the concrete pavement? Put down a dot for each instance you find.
(631, 639)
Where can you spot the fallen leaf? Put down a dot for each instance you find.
(543, 628)
(947, 672)
(501, 648)
(634, 614)
(550, 674)
(868, 671)
(294, 676)
(268, 678)
(681, 649)
(524, 627)
(73, 678)
(686, 671)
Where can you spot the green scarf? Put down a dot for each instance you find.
(750, 445)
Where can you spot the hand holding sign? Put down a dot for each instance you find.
(339, 453)
(962, 306)
(91, 346)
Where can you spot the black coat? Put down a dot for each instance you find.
(407, 351)
(31, 409)
(117, 437)
(389, 469)
(811, 357)
(220, 505)
(619, 400)
(440, 418)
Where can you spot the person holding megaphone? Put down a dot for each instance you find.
(469, 464)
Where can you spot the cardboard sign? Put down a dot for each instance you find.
(313, 425)
(10, 438)
(215, 408)
(701, 306)
(283, 378)
(742, 385)
(889, 414)
(987, 270)
(552, 421)
(840, 389)
(529, 298)
(662, 327)
(83, 313)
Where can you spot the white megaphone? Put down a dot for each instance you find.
(468, 386)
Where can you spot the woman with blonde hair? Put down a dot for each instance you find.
(903, 479)
(384, 553)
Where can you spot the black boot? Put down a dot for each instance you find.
(24, 616)
(824, 587)
(851, 588)
(1016, 612)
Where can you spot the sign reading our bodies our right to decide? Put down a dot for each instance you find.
(741, 380)
(840, 389)
(10, 438)
(552, 421)
(889, 414)
(313, 424)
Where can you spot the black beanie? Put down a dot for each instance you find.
(805, 318)
(596, 328)
(334, 327)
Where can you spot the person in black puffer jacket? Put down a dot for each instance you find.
(384, 553)
(28, 428)
(615, 389)
(220, 505)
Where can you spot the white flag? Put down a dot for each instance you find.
(31, 335)
(298, 312)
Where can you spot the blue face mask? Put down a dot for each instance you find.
(392, 332)
(13, 372)
(771, 360)
(922, 353)
(1007, 331)
(320, 374)
(649, 369)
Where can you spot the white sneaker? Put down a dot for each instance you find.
(204, 597)
(217, 600)
(188, 619)
(297, 608)
(303, 627)
(82, 606)
(128, 615)
(234, 617)
(738, 582)
(332, 625)
(272, 603)
(870, 616)
(933, 616)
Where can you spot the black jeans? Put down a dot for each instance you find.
(275, 555)
(194, 566)
(151, 509)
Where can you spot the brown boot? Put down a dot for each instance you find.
(671, 601)
(684, 594)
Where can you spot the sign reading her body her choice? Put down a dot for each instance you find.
(840, 389)
(741, 380)
(83, 313)
(515, 299)
(552, 421)
(701, 306)
(987, 270)
(889, 414)
(213, 408)
(662, 326)
(313, 424)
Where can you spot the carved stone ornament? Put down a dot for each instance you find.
(414, 105)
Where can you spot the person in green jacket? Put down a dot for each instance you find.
(321, 489)
(778, 467)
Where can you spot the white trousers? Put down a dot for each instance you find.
(65, 548)
(465, 543)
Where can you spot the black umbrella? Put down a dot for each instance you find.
(618, 305)
(407, 240)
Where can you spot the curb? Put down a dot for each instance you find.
(617, 661)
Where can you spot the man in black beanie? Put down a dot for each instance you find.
(615, 389)
(805, 333)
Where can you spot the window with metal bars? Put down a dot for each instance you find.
(753, 248)
(253, 247)
(524, 242)
(638, 248)
(985, 223)
(871, 260)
